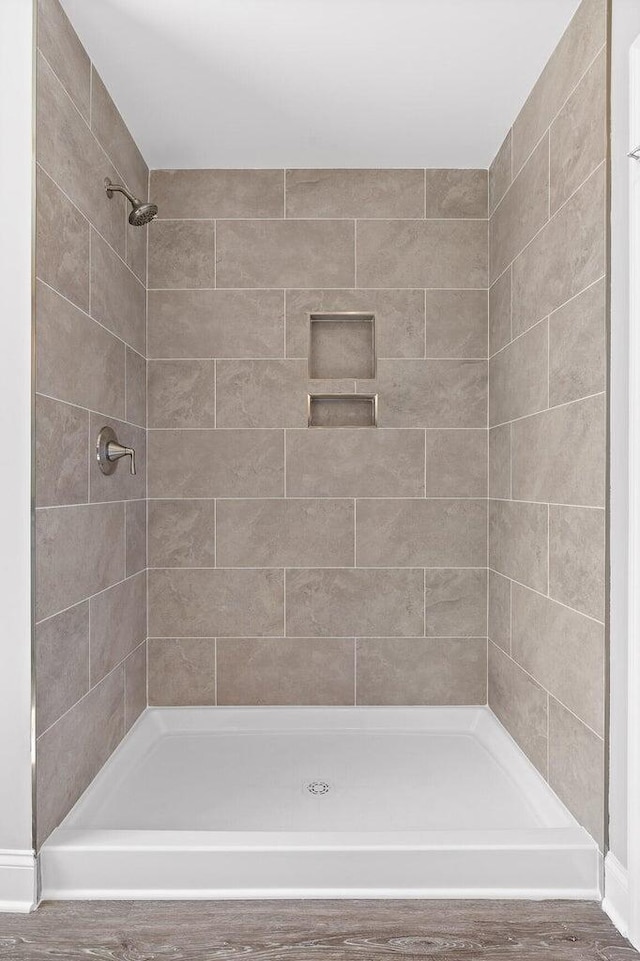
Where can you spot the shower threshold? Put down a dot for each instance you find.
(271, 802)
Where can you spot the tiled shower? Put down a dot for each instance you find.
(452, 554)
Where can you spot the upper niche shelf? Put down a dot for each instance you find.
(342, 346)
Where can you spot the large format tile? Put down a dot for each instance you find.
(500, 313)
(499, 614)
(576, 768)
(206, 603)
(559, 455)
(59, 43)
(577, 558)
(455, 603)
(118, 299)
(136, 388)
(422, 253)
(346, 603)
(135, 685)
(285, 253)
(182, 533)
(500, 174)
(520, 704)
(62, 453)
(79, 551)
(285, 670)
(182, 671)
(399, 318)
(518, 379)
(565, 257)
(182, 253)
(355, 193)
(220, 463)
(62, 242)
(285, 533)
(355, 463)
(518, 541)
(181, 393)
(456, 323)
(578, 346)
(500, 462)
(262, 393)
(70, 754)
(415, 670)
(62, 664)
(455, 193)
(136, 531)
(64, 332)
(421, 533)
(456, 463)
(113, 134)
(563, 650)
(215, 323)
(212, 194)
(118, 624)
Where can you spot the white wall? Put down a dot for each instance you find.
(16, 110)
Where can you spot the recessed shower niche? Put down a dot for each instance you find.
(342, 346)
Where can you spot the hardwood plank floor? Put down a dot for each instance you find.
(313, 931)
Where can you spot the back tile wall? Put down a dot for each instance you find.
(90, 370)
(547, 415)
(296, 566)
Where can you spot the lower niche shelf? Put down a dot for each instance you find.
(343, 410)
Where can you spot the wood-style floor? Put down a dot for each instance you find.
(313, 931)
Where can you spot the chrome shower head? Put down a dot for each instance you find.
(142, 212)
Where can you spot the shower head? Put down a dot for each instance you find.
(142, 213)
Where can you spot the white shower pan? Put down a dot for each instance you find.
(319, 803)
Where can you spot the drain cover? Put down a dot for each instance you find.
(318, 787)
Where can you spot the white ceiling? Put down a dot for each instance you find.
(319, 83)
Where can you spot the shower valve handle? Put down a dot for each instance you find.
(109, 451)
(115, 451)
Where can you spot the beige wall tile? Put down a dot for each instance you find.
(522, 211)
(135, 685)
(499, 613)
(182, 253)
(136, 392)
(565, 257)
(136, 251)
(60, 45)
(262, 393)
(563, 650)
(136, 531)
(500, 462)
(70, 754)
(421, 533)
(518, 541)
(355, 193)
(575, 51)
(355, 463)
(182, 671)
(578, 134)
(330, 603)
(79, 551)
(279, 253)
(559, 455)
(577, 347)
(419, 253)
(118, 624)
(62, 242)
(500, 174)
(182, 393)
(400, 670)
(62, 664)
(182, 533)
(63, 331)
(500, 313)
(68, 152)
(456, 463)
(576, 768)
(285, 533)
(520, 704)
(577, 558)
(455, 603)
(518, 378)
(399, 318)
(206, 463)
(456, 193)
(114, 137)
(430, 393)
(117, 297)
(216, 323)
(218, 193)
(121, 485)
(205, 603)
(456, 323)
(62, 453)
(286, 670)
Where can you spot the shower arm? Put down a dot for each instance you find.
(112, 188)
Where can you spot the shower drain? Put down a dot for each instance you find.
(318, 787)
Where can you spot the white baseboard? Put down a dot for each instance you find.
(18, 881)
(616, 893)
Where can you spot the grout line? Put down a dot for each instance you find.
(548, 597)
(546, 410)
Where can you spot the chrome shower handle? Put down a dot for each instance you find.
(109, 451)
